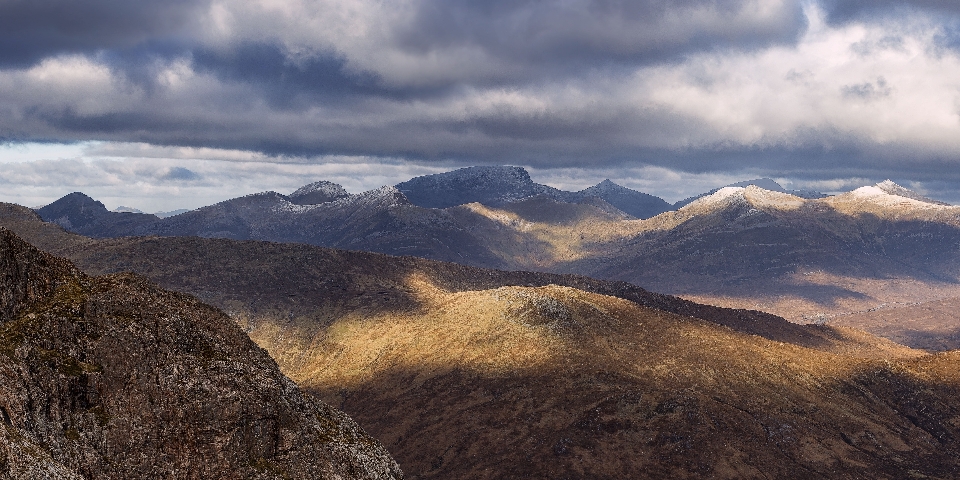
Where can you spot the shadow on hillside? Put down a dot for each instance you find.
(316, 286)
(579, 423)
(934, 341)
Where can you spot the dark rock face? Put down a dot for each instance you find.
(114, 377)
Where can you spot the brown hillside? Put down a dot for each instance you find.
(555, 382)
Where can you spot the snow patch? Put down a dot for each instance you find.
(722, 196)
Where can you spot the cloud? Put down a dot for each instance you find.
(809, 91)
(151, 181)
(31, 31)
(845, 11)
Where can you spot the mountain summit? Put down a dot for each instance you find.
(489, 185)
(888, 186)
(499, 185)
(318, 192)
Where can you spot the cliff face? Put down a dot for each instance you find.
(114, 377)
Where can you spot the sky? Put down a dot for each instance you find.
(165, 104)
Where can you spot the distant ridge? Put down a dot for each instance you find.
(123, 209)
(495, 186)
(81, 214)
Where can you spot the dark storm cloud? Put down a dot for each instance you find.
(31, 30)
(282, 82)
(597, 33)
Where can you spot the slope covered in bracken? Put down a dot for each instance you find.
(114, 377)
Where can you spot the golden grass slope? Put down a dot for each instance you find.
(555, 382)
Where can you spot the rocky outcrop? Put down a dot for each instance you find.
(114, 377)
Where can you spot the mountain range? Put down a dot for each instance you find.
(470, 373)
(839, 258)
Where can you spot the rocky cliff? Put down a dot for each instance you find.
(114, 377)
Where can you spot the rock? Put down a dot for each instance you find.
(114, 377)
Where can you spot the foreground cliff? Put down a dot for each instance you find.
(114, 377)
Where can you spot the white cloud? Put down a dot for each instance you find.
(900, 91)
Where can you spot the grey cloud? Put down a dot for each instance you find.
(31, 30)
(841, 11)
(180, 173)
(282, 82)
(594, 33)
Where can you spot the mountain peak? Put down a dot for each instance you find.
(764, 183)
(890, 187)
(318, 192)
(632, 202)
(606, 186)
(489, 185)
(73, 211)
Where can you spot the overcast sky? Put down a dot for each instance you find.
(163, 104)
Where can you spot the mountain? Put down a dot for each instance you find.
(122, 209)
(114, 377)
(805, 259)
(171, 213)
(891, 188)
(764, 183)
(471, 373)
(81, 214)
(380, 220)
(491, 186)
(637, 204)
(500, 185)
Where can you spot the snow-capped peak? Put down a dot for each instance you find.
(887, 191)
